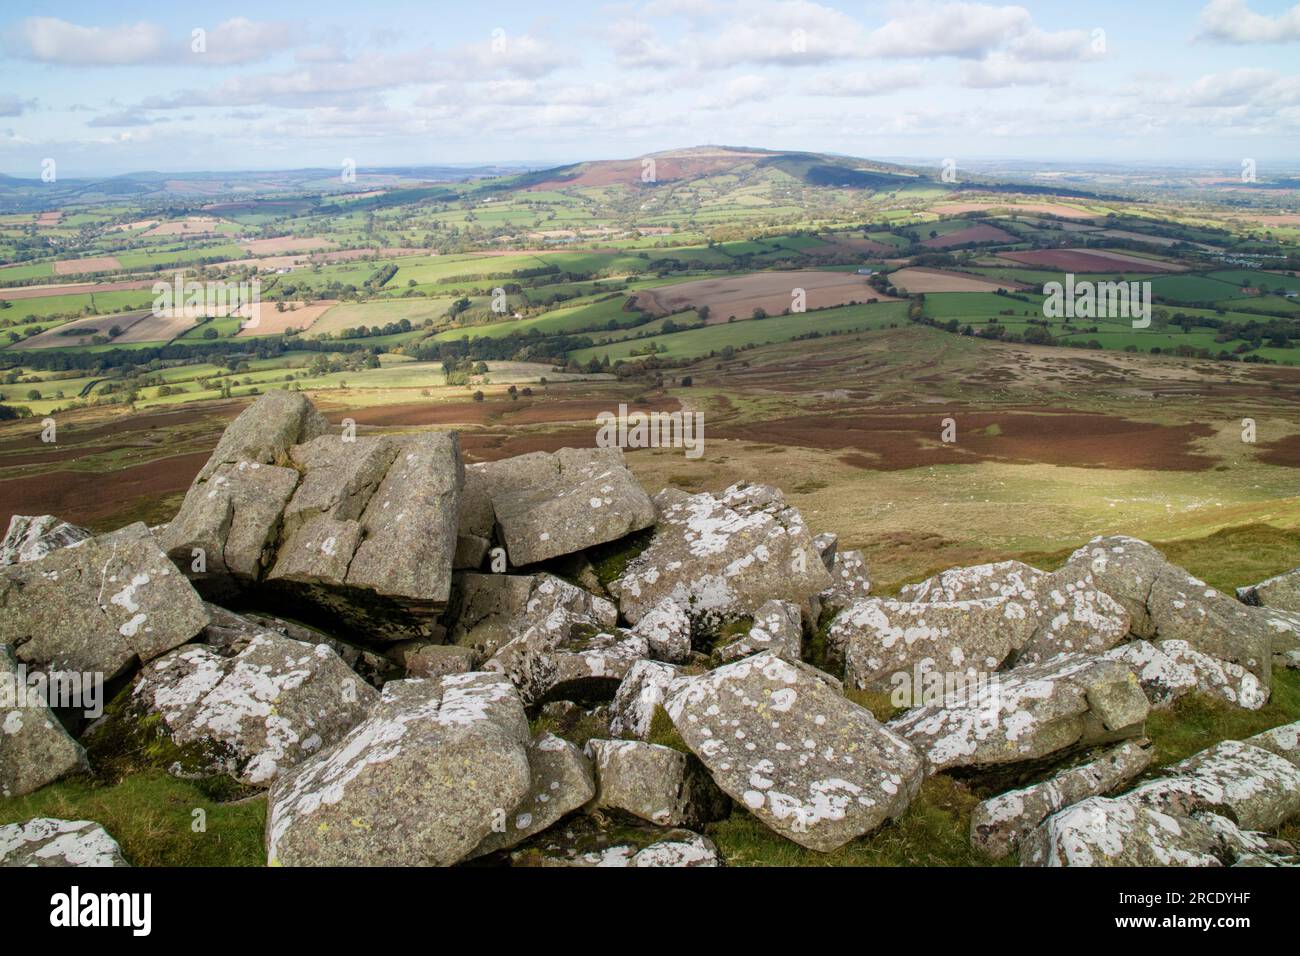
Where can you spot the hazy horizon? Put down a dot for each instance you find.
(205, 88)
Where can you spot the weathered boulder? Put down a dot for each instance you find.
(1070, 611)
(488, 611)
(852, 581)
(777, 627)
(359, 530)
(1184, 608)
(587, 841)
(1000, 823)
(1014, 580)
(418, 782)
(1281, 592)
(1126, 569)
(656, 783)
(644, 687)
(1101, 831)
(1027, 713)
(1165, 603)
(879, 638)
(721, 557)
(813, 766)
(99, 606)
(46, 841)
(34, 536)
(264, 432)
(1283, 741)
(34, 747)
(561, 781)
(1216, 677)
(259, 713)
(226, 529)
(546, 505)
(667, 631)
(1256, 788)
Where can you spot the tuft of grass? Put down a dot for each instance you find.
(610, 560)
(1197, 721)
(933, 831)
(664, 733)
(152, 817)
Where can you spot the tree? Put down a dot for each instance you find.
(33, 395)
(478, 396)
(687, 380)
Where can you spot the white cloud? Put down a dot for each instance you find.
(52, 40)
(245, 41)
(873, 83)
(999, 70)
(1232, 21)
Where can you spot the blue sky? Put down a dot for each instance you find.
(114, 88)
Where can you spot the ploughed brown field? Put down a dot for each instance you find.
(72, 267)
(939, 280)
(972, 234)
(739, 296)
(269, 247)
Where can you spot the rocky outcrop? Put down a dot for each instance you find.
(1204, 811)
(1165, 603)
(34, 747)
(1028, 713)
(46, 841)
(568, 663)
(98, 607)
(878, 639)
(257, 714)
(667, 632)
(852, 581)
(655, 783)
(1070, 613)
(396, 790)
(359, 530)
(811, 765)
(722, 557)
(1000, 823)
(546, 505)
(31, 537)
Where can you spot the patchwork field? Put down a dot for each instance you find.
(937, 280)
(772, 292)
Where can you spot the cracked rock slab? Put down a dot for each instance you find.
(451, 754)
(589, 842)
(999, 824)
(99, 606)
(1281, 592)
(562, 781)
(551, 504)
(1027, 713)
(777, 627)
(260, 712)
(34, 747)
(811, 765)
(723, 556)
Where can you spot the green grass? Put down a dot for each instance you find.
(151, 815)
(738, 334)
